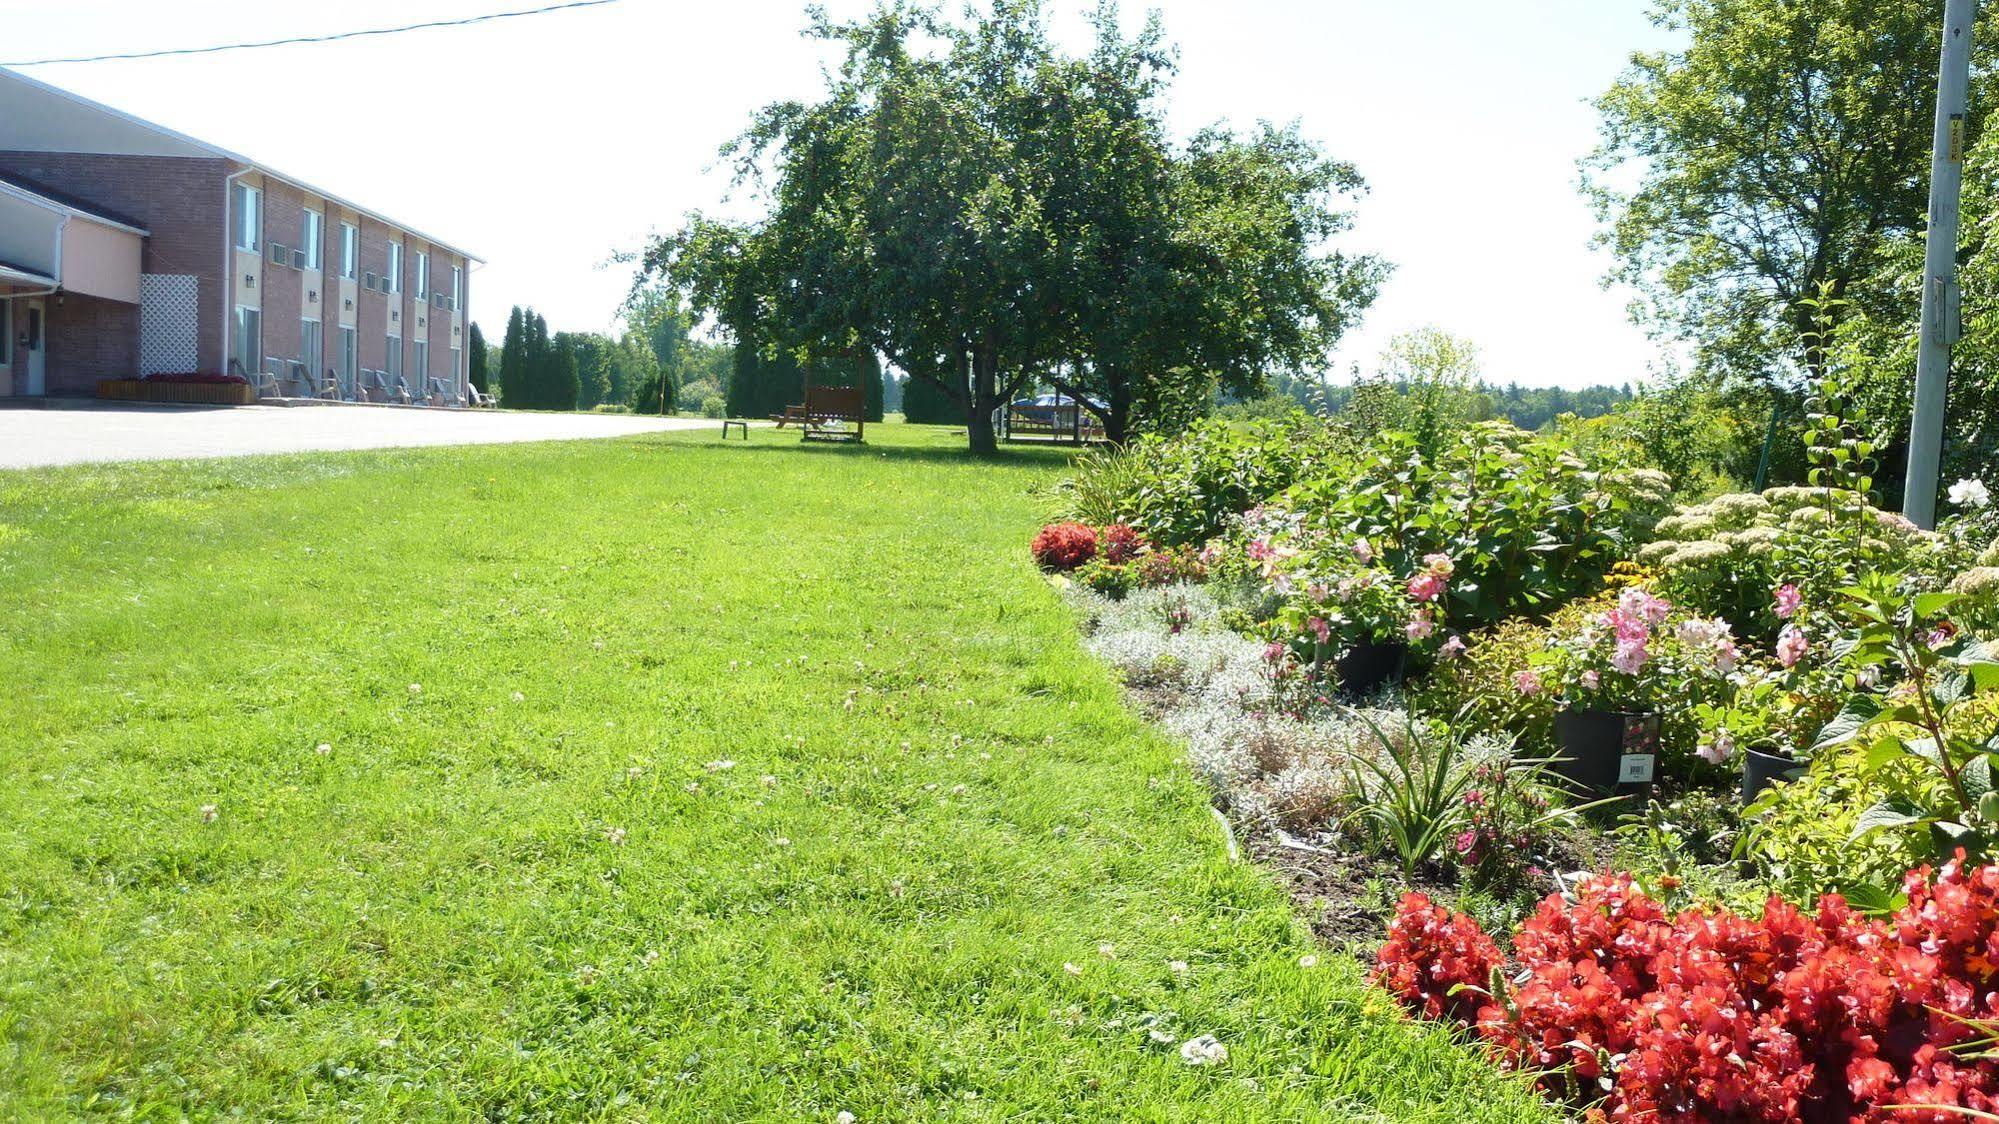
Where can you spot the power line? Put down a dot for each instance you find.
(320, 38)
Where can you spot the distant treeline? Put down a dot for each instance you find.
(1529, 407)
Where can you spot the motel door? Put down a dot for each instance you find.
(30, 348)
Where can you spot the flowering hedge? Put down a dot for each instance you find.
(1712, 1016)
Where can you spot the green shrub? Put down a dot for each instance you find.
(1186, 489)
(1525, 524)
(714, 406)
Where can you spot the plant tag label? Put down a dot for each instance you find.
(1635, 768)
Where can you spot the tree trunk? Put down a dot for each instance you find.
(983, 400)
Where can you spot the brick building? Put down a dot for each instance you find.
(127, 249)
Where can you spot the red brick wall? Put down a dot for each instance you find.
(90, 338)
(284, 214)
(180, 200)
(371, 309)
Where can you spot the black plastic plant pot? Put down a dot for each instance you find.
(1760, 770)
(1607, 752)
(1367, 667)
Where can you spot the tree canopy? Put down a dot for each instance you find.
(990, 214)
(1776, 158)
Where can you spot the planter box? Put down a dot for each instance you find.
(193, 393)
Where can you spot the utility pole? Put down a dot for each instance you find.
(1940, 296)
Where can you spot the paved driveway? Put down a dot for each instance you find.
(32, 437)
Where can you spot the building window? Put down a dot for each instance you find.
(393, 276)
(311, 238)
(349, 351)
(422, 363)
(457, 287)
(248, 206)
(248, 352)
(422, 276)
(395, 360)
(6, 332)
(350, 251)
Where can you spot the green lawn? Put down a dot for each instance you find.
(525, 881)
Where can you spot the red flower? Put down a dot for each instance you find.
(1720, 1017)
(1064, 546)
(1121, 544)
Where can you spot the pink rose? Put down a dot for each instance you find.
(1792, 645)
(1420, 627)
(1630, 657)
(1321, 629)
(1527, 683)
(1717, 750)
(1439, 564)
(1259, 550)
(1453, 648)
(1362, 553)
(1789, 601)
(1426, 586)
(1319, 592)
(1726, 656)
(1592, 679)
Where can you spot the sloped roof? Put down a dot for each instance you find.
(38, 117)
(64, 199)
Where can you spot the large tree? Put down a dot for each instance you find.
(1767, 162)
(989, 214)
(514, 391)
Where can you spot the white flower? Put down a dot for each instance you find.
(1970, 492)
(1308, 961)
(209, 812)
(416, 688)
(1071, 968)
(1203, 1051)
(1107, 950)
(1163, 1037)
(781, 841)
(845, 1117)
(323, 749)
(769, 781)
(721, 766)
(635, 772)
(1176, 966)
(616, 835)
(519, 697)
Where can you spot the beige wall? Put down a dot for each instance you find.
(101, 261)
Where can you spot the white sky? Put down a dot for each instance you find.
(577, 133)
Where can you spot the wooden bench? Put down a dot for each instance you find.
(826, 413)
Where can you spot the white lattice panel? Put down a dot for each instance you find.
(169, 311)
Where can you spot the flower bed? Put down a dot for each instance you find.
(210, 390)
(1484, 668)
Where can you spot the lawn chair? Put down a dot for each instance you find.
(401, 393)
(440, 393)
(478, 399)
(301, 375)
(826, 413)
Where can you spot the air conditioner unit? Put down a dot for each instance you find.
(368, 281)
(298, 259)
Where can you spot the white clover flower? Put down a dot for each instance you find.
(1072, 968)
(416, 689)
(1308, 960)
(1107, 950)
(209, 812)
(1204, 1050)
(1970, 492)
(323, 748)
(844, 1117)
(721, 766)
(1177, 967)
(616, 836)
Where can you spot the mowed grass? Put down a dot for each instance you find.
(524, 880)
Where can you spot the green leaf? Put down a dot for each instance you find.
(1883, 817)
(1930, 604)
(1860, 712)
